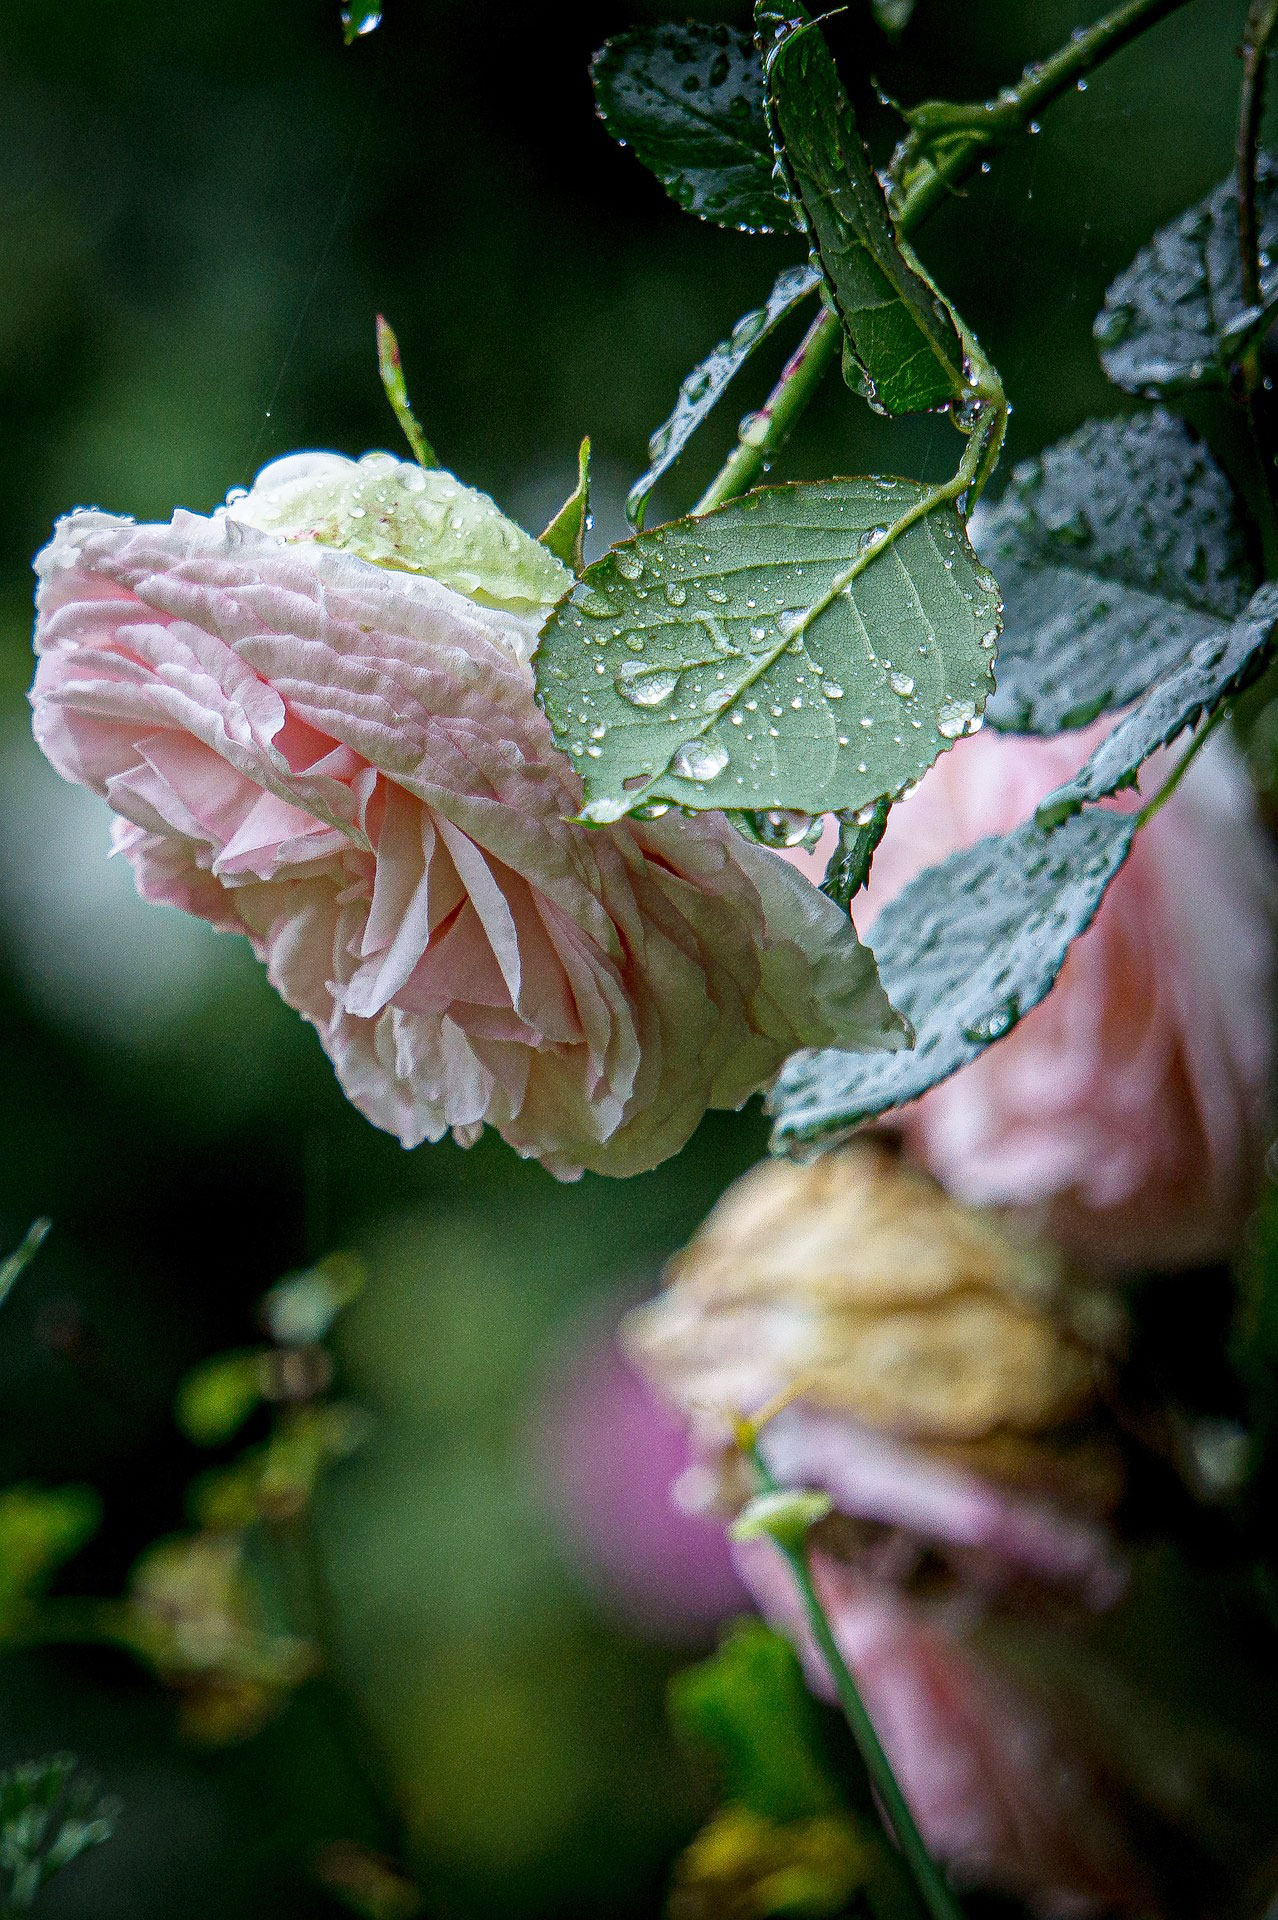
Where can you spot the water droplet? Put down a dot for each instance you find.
(595, 607)
(870, 538)
(831, 689)
(717, 595)
(993, 1025)
(699, 760)
(628, 563)
(956, 717)
(902, 683)
(781, 826)
(676, 592)
(790, 621)
(651, 810)
(645, 686)
(598, 731)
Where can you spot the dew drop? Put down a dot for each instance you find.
(676, 592)
(831, 689)
(956, 717)
(699, 760)
(628, 563)
(902, 683)
(645, 686)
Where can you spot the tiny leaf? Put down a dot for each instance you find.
(689, 100)
(859, 836)
(1117, 551)
(967, 949)
(1177, 317)
(392, 371)
(1217, 668)
(905, 352)
(705, 385)
(749, 1706)
(808, 647)
(15, 1264)
(566, 534)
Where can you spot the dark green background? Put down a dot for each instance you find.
(201, 209)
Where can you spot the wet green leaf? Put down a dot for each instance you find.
(566, 534)
(689, 100)
(748, 1705)
(1177, 317)
(1218, 667)
(807, 647)
(1117, 551)
(705, 385)
(50, 1813)
(361, 17)
(902, 350)
(965, 951)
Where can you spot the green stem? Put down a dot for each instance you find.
(1257, 406)
(1179, 771)
(932, 1886)
(923, 175)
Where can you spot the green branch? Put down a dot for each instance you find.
(944, 146)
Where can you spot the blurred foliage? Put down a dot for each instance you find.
(201, 211)
(50, 1814)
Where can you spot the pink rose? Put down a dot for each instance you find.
(1129, 1106)
(997, 1779)
(339, 756)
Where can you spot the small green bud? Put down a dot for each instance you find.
(784, 1516)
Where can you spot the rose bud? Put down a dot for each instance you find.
(1127, 1110)
(313, 715)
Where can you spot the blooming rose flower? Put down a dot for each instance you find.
(1128, 1107)
(313, 715)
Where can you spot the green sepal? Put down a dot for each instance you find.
(566, 534)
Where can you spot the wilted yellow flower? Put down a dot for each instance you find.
(856, 1284)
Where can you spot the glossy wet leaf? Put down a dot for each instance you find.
(902, 351)
(1117, 551)
(807, 647)
(706, 384)
(689, 100)
(1217, 668)
(361, 17)
(566, 534)
(1177, 317)
(964, 951)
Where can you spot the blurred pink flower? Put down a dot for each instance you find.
(344, 761)
(1002, 1792)
(1128, 1108)
(607, 1454)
